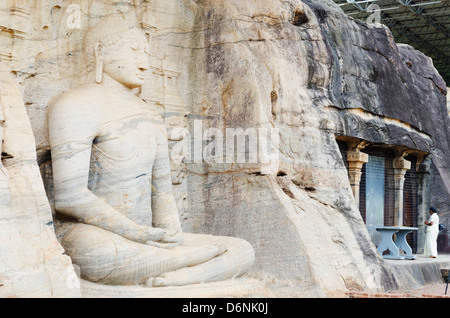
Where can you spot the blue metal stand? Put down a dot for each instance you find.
(387, 243)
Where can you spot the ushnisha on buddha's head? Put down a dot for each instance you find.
(117, 49)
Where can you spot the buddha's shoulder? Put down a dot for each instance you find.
(85, 96)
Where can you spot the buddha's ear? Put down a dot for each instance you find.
(98, 47)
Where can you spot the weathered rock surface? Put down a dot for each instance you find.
(302, 67)
(302, 215)
(330, 75)
(32, 263)
(384, 92)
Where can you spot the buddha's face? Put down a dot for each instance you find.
(126, 61)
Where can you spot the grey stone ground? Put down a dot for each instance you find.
(423, 274)
(430, 289)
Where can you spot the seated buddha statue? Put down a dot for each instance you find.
(116, 214)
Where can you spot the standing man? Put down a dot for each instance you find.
(432, 230)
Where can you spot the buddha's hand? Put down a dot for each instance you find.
(173, 237)
(169, 240)
(146, 234)
(155, 234)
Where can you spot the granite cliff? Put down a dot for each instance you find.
(301, 68)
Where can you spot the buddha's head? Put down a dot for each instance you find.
(119, 50)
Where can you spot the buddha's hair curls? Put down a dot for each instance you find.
(108, 31)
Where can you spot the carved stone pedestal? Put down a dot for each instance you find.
(237, 288)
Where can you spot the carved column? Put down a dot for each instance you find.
(400, 165)
(356, 160)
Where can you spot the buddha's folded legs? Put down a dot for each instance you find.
(235, 262)
(107, 258)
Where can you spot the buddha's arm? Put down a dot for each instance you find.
(165, 211)
(72, 130)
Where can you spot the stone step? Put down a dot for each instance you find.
(237, 288)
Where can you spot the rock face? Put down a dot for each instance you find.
(302, 71)
(302, 214)
(32, 263)
(313, 73)
(386, 93)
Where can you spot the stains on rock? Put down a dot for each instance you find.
(299, 18)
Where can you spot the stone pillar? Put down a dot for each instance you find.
(400, 165)
(356, 160)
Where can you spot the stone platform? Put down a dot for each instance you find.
(237, 288)
(412, 274)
